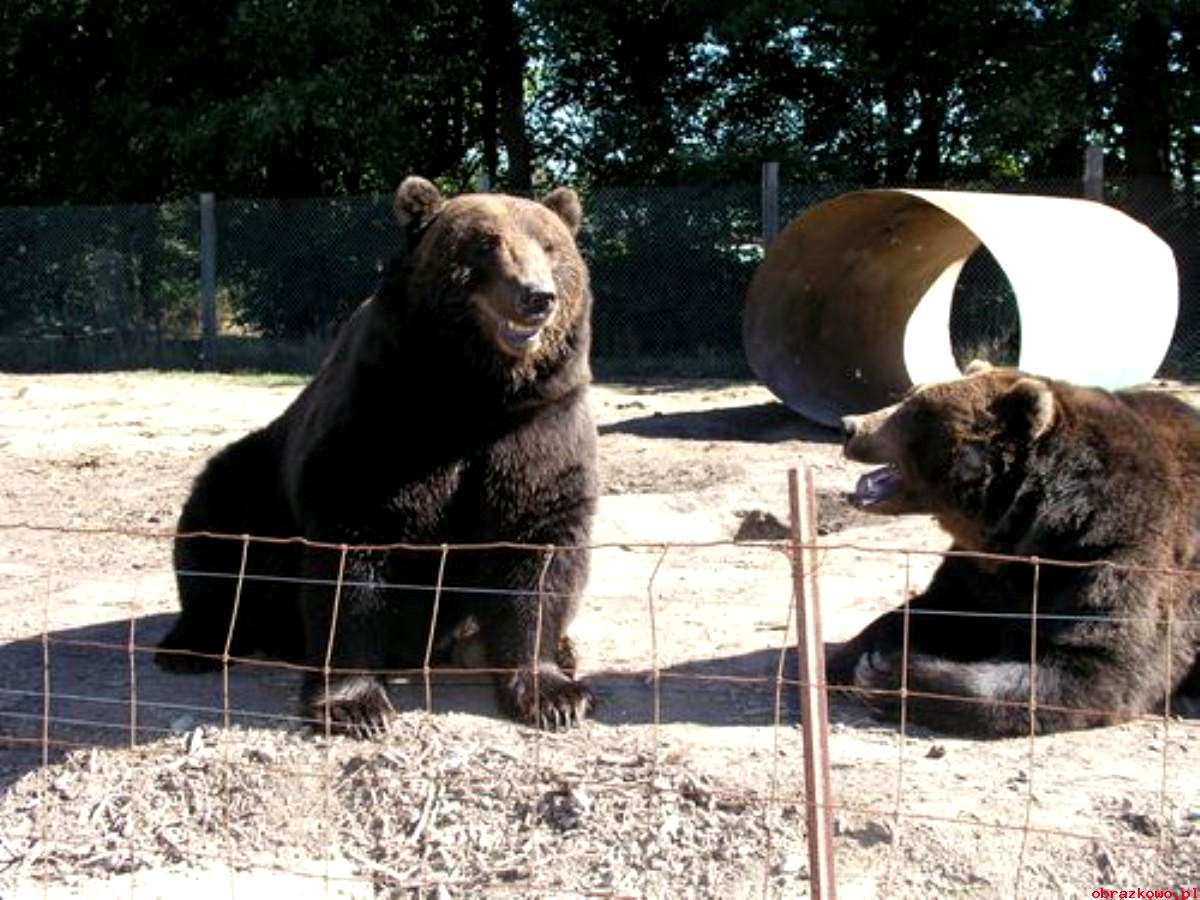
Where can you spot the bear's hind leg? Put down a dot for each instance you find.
(934, 626)
(1000, 698)
(233, 495)
(206, 575)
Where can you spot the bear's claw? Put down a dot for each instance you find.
(877, 670)
(558, 703)
(358, 708)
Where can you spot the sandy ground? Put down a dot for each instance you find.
(689, 782)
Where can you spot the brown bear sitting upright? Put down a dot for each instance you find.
(451, 410)
(1016, 465)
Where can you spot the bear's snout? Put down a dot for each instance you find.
(866, 438)
(535, 303)
(850, 426)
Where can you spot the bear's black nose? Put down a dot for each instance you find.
(536, 303)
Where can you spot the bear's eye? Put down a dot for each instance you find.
(489, 242)
(549, 246)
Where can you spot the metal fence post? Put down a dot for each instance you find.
(1093, 173)
(208, 282)
(770, 202)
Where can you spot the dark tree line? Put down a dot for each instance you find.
(116, 101)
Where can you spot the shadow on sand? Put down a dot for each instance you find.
(94, 675)
(763, 423)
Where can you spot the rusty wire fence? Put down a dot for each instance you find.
(712, 768)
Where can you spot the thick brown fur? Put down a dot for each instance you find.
(1022, 466)
(451, 410)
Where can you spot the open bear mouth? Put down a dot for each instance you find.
(877, 486)
(517, 335)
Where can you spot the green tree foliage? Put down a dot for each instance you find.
(299, 267)
(112, 101)
(107, 100)
(619, 86)
(661, 254)
(84, 271)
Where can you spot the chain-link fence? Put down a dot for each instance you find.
(118, 287)
(97, 287)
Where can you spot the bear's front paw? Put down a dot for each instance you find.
(878, 671)
(358, 707)
(547, 698)
(877, 675)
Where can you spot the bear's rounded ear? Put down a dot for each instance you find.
(564, 203)
(1028, 407)
(977, 367)
(417, 202)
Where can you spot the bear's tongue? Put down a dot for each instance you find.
(519, 335)
(876, 486)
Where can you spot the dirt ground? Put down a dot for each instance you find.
(126, 781)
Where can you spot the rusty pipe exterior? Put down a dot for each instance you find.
(851, 305)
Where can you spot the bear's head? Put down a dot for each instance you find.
(507, 265)
(955, 449)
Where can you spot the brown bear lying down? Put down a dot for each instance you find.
(1017, 465)
(451, 410)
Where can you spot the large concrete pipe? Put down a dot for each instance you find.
(851, 305)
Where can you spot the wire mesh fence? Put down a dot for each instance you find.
(222, 770)
(94, 287)
(693, 780)
(117, 287)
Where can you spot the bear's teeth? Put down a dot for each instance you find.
(521, 332)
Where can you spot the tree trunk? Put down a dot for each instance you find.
(897, 146)
(503, 28)
(144, 248)
(929, 136)
(488, 102)
(1144, 107)
(1189, 140)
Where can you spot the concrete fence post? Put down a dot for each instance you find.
(770, 202)
(208, 282)
(1093, 173)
